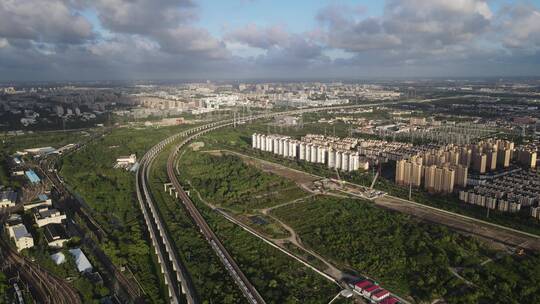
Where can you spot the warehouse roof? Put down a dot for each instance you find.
(390, 300)
(363, 284)
(81, 260)
(371, 288)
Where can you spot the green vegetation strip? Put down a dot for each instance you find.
(210, 278)
(111, 195)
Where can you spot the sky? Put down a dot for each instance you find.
(60, 40)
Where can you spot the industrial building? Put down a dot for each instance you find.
(82, 262)
(32, 177)
(45, 216)
(56, 235)
(42, 201)
(8, 198)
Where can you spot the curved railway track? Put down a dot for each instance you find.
(46, 286)
(175, 275)
(131, 290)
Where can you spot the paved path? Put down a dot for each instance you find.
(487, 230)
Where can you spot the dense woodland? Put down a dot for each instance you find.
(412, 257)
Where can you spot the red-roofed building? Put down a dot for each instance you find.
(380, 295)
(368, 291)
(362, 284)
(390, 300)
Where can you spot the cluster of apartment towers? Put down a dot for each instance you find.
(440, 170)
(335, 152)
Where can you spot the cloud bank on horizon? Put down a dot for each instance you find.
(168, 39)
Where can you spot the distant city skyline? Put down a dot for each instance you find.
(263, 39)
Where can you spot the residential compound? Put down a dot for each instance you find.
(508, 193)
(504, 177)
(441, 169)
(44, 216)
(334, 152)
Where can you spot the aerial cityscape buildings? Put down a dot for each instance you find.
(333, 151)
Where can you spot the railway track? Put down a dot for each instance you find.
(249, 291)
(120, 281)
(165, 252)
(46, 286)
(176, 276)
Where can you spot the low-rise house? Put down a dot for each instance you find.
(42, 201)
(380, 295)
(8, 198)
(360, 286)
(23, 239)
(389, 300)
(126, 160)
(46, 216)
(56, 235)
(368, 291)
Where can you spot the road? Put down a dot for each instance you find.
(486, 230)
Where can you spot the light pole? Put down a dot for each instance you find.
(410, 182)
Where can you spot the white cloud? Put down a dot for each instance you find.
(45, 21)
(3, 43)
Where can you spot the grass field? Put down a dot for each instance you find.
(228, 182)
